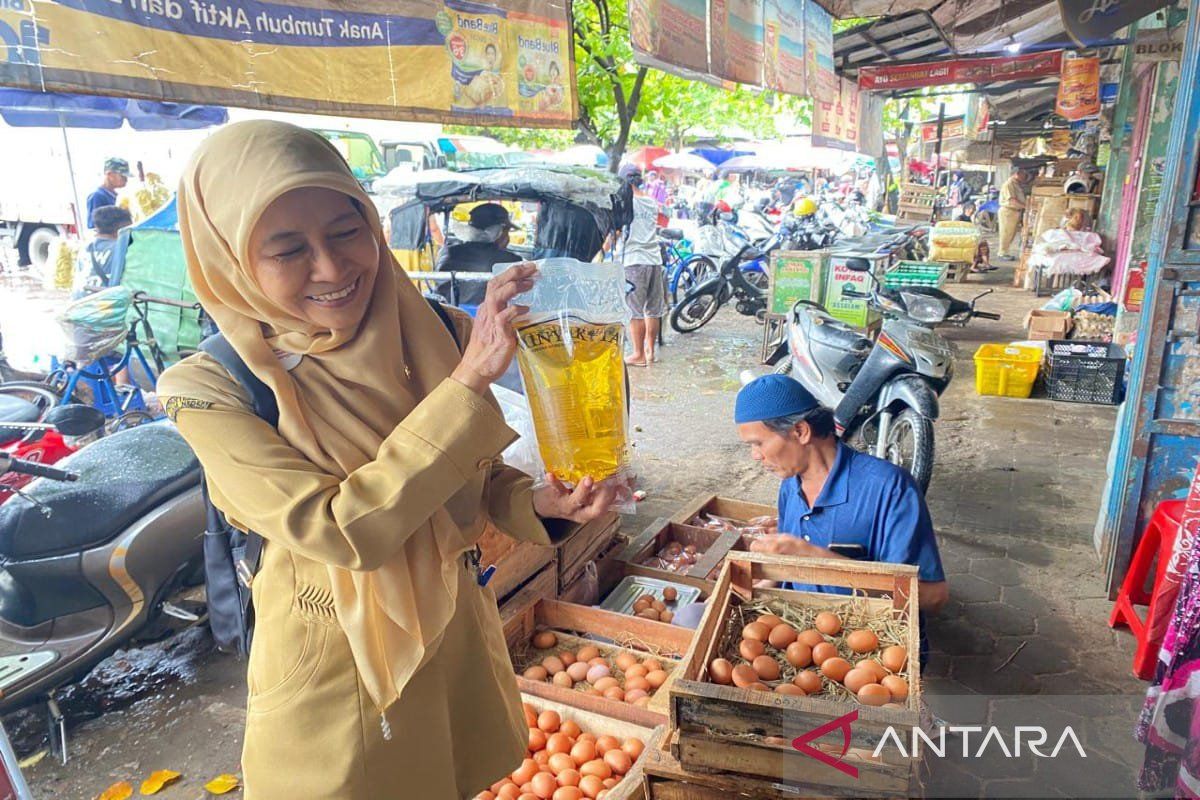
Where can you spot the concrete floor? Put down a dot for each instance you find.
(1014, 499)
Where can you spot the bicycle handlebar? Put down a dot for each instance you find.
(10, 464)
(142, 297)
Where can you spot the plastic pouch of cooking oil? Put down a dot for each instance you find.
(571, 355)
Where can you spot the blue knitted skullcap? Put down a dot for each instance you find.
(771, 397)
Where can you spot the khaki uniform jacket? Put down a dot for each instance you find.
(1012, 194)
(311, 729)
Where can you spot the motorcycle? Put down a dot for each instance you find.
(76, 585)
(701, 304)
(887, 390)
(27, 435)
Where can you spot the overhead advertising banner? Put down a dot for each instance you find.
(818, 53)
(870, 124)
(783, 46)
(951, 129)
(1079, 89)
(960, 70)
(670, 33)
(836, 124)
(978, 117)
(1090, 22)
(735, 30)
(452, 61)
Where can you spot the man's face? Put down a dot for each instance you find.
(502, 242)
(116, 180)
(784, 455)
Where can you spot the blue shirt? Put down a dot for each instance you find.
(869, 502)
(101, 197)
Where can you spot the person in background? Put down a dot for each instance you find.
(1013, 200)
(116, 175)
(486, 245)
(1077, 220)
(92, 270)
(642, 257)
(656, 188)
(983, 251)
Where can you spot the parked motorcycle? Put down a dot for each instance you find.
(76, 584)
(28, 435)
(701, 304)
(884, 390)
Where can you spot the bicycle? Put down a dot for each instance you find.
(684, 269)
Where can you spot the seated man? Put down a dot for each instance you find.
(93, 267)
(835, 502)
(486, 245)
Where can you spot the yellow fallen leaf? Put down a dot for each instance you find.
(118, 791)
(222, 784)
(33, 760)
(157, 780)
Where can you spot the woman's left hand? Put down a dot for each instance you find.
(584, 503)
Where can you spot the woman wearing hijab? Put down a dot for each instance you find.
(378, 668)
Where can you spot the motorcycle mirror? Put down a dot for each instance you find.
(858, 264)
(983, 294)
(76, 419)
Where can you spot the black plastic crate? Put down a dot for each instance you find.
(1085, 372)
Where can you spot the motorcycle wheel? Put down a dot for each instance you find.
(695, 311)
(693, 273)
(910, 446)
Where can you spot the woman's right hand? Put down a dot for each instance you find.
(493, 341)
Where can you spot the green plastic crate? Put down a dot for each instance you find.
(916, 273)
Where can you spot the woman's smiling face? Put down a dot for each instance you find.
(314, 255)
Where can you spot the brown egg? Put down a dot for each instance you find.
(642, 701)
(767, 668)
(583, 752)
(570, 727)
(543, 785)
(751, 649)
(597, 672)
(666, 616)
(615, 693)
(759, 686)
(721, 671)
(544, 640)
(531, 715)
(638, 683)
(558, 743)
(537, 739)
(549, 721)
(648, 613)
(553, 664)
(567, 657)
(619, 760)
(633, 695)
(756, 630)
(591, 786)
(598, 767)
(896, 686)
(873, 695)
(835, 668)
(894, 658)
(578, 671)
(567, 791)
(598, 661)
(536, 673)
(564, 680)
(525, 772)
(770, 620)
(828, 623)
(744, 675)
(606, 683)
(782, 635)
(513, 792)
(560, 762)
(636, 671)
(670, 594)
(626, 660)
(808, 680)
(811, 637)
(657, 678)
(858, 677)
(862, 641)
(799, 654)
(652, 664)
(606, 743)
(875, 667)
(823, 652)
(587, 652)
(633, 747)
(643, 602)
(659, 606)
(789, 688)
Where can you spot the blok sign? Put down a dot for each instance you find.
(451, 61)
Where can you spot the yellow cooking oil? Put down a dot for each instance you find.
(574, 374)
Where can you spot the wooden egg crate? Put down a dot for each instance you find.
(579, 626)
(631, 786)
(728, 729)
(516, 561)
(664, 778)
(726, 507)
(711, 547)
(577, 544)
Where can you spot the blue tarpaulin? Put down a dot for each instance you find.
(718, 156)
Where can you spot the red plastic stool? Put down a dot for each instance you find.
(1158, 540)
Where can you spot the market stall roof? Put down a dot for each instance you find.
(579, 185)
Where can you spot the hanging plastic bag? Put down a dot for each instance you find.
(571, 354)
(95, 325)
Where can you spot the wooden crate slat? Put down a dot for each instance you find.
(722, 507)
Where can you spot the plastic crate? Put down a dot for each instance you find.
(1085, 372)
(916, 273)
(1005, 370)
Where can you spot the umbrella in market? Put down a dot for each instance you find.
(29, 109)
(644, 157)
(688, 162)
(752, 163)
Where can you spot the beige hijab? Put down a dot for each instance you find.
(352, 388)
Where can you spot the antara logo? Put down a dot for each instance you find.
(801, 743)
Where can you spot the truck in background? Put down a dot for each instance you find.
(30, 223)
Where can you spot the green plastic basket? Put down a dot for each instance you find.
(916, 273)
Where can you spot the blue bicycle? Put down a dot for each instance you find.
(684, 269)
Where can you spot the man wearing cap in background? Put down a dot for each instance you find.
(485, 244)
(116, 175)
(835, 502)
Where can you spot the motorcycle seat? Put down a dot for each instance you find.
(122, 478)
(14, 409)
(674, 234)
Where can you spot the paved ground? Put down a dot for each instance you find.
(1014, 499)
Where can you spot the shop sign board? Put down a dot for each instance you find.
(796, 275)
(735, 30)
(783, 46)
(835, 124)
(1089, 22)
(454, 61)
(960, 70)
(671, 32)
(851, 310)
(1158, 44)
(1079, 89)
